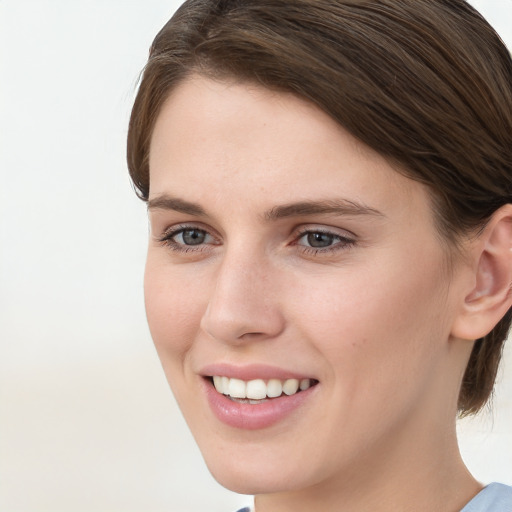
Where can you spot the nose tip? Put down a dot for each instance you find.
(243, 306)
(228, 325)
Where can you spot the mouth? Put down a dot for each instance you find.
(257, 396)
(259, 391)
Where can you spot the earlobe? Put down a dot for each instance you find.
(491, 297)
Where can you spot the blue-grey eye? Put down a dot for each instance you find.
(192, 236)
(320, 240)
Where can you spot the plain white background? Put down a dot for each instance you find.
(87, 423)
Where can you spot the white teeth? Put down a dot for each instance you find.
(290, 386)
(304, 384)
(257, 390)
(237, 388)
(224, 386)
(217, 382)
(274, 388)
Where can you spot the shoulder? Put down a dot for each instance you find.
(493, 498)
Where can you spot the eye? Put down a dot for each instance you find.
(191, 237)
(187, 238)
(320, 241)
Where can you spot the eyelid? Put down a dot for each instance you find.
(167, 237)
(328, 230)
(183, 226)
(345, 239)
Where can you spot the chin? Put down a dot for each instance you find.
(257, 480)
(259, 474)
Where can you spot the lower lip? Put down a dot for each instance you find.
(257, 416)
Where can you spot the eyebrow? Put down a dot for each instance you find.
(297, 209)
(331, 206)
(165, 202)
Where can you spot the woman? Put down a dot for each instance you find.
(329, 268)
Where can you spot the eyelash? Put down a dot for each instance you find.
(167, 239)
(341, 242)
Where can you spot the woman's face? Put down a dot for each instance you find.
(285, 253)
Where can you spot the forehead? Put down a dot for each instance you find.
(216, 139)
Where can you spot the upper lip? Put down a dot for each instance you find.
(250, 372)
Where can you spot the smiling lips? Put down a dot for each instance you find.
(257, 403)
(258, 390)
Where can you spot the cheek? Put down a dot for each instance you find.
(377, 327)
(382, 336)
(174, 307)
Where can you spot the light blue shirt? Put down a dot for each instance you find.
(493, 498)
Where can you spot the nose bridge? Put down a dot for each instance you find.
(244, 300)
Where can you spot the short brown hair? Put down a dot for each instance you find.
(426, 83)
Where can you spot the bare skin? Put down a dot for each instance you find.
(278, 239)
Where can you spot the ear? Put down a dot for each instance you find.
(491, 294)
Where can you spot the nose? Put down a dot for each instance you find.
(243, 303)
